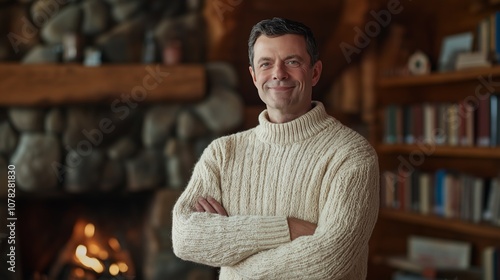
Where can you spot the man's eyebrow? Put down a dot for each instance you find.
(262, 59)
(294, 56)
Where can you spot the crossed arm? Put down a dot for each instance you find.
(296, 226)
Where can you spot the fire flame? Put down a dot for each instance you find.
(81, 255)
(93, 253)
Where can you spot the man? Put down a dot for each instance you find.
(294, 198)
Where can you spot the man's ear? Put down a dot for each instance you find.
(317, 68)
(250, 68)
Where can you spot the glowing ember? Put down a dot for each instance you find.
(94, 248)
(89, 230)
(113, 243)
(114, 269)
(79, 272)
(123, 267)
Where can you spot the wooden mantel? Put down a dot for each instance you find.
(56, 84)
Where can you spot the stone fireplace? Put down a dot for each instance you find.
(97, 171)
(119, 172)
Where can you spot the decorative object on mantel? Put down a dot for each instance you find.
(419, 63)
(172, 52)
(72, 47)
(92, 57)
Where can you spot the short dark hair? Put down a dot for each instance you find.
(280, 26)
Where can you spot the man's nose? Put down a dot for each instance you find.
(279, 72)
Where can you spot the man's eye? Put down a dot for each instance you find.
(292, 62)
(264, 65)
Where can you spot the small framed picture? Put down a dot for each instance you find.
(451, 47)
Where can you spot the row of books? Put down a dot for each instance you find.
(488, 36)
(443, 193)
(475, 122)
(434, 258)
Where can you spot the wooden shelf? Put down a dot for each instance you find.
(456, 225)
(438, 78)
(55, 84)
(457, 152)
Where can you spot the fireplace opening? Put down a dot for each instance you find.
(92, 254)
(84, 237)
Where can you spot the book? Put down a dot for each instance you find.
(477, 200)
(388, 182)
(418, 126)
(483, 123)
(430, 120)
(490, 263)
(409, 137)
(472, 60)
(408, 269)
(390, 125)
(425, 186)
(439, 186)
(466, 114)
(492, 212)
(494, 120)
(439, 253)
(441, 123)
(455, 123)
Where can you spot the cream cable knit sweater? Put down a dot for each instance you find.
(312, 168)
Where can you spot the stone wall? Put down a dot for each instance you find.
(122, 30)
(110, 147)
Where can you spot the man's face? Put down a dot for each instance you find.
(283, 74)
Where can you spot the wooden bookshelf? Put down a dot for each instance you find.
(480, 230)
(443, 151)
(395, 226)
(438, 78)
(57, 84)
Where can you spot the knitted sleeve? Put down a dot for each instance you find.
(344, 228)
(213, 239)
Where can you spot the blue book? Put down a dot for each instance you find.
(390, 125)
(439, 192)
(494, 121)
(496, 39)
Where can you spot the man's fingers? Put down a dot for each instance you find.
(207, 207)
(210, 205)
(217, 206)
(198, 207)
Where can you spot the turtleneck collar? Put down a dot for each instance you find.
(301, 128)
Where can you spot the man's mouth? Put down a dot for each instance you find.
(281, 88)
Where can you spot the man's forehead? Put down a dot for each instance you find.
(295, 37)
(289, 43)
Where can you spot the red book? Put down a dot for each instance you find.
(418, 121)
(466, 114)
(483, 123)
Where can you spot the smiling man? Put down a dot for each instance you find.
(295, 197)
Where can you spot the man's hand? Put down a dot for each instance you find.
(210, 205)
(300, 228)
